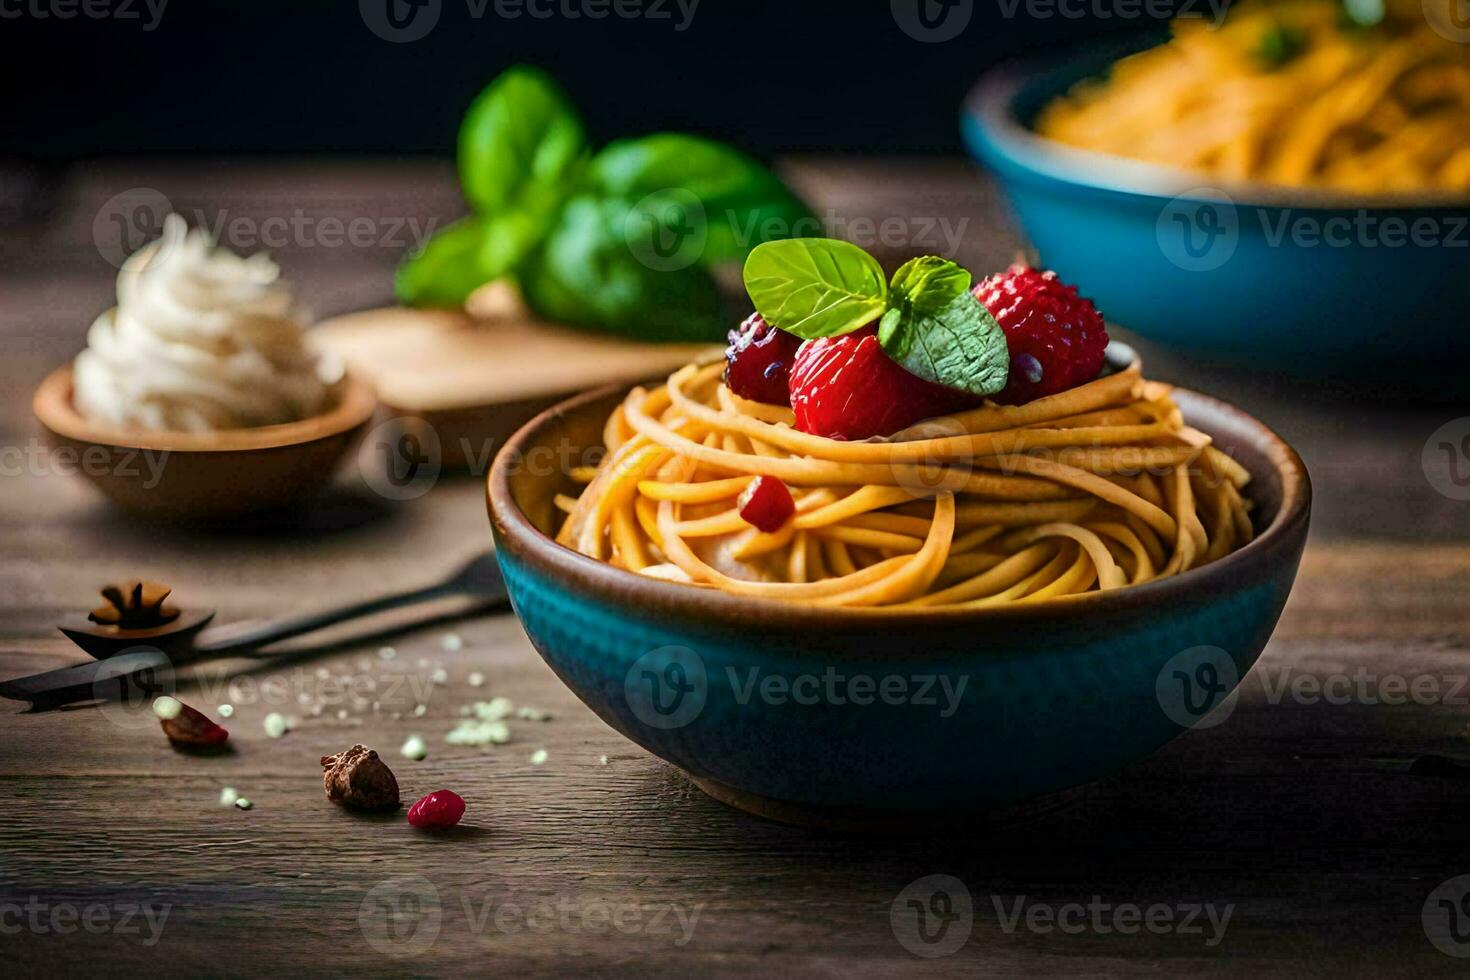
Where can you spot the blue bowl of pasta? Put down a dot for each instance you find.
(890, 717)
(1302, 280)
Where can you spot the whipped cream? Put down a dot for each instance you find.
(201, 339)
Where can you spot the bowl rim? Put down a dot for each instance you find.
(53, 407)
(990, 107)
(517, 535)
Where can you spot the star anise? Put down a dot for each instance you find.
(134, 605)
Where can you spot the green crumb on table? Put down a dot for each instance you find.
(387, 653)
(528, 713)
(228, 796)
(538, 757)
(242, 803)
(276, 724)
(167, 708)
(474, 731)
(602, 760)
(439, 676)
(476, 679)
(451, 642)
(415, 748)
(493, 710)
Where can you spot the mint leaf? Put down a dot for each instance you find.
(585, 274)
(520, 142)
(736, 202)
(446, 268)
(959, 345)
(815, 287)
(928, 284)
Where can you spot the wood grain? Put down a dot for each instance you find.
(1308, 819)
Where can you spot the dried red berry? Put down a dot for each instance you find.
(437, 810)
(185, 726)
(766, 504)
(760, 359)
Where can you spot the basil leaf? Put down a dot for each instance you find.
(929, 283)
(446, 268)
(735, 202)
(815, 287)
(520, 141)
(586, 274)
(959, 346)
(511, 236)
(1279, 44)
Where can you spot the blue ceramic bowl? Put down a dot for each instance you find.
(843, 717)
(1304, 282)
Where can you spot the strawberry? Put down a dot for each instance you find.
(1056, 337)
(847, 388)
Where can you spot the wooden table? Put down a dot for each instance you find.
(1319, 826)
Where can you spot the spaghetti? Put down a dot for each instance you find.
(1284, 93)
(1096, 488)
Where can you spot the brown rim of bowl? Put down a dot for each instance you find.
(991, 102)
(53, 406)
(523, 539)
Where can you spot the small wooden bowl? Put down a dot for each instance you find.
(204, 476)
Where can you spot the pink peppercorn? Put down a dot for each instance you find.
(437, 810)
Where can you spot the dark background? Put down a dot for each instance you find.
(309, 76)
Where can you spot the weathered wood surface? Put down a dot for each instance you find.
(1305, 819)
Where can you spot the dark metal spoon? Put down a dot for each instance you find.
(129, 664)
